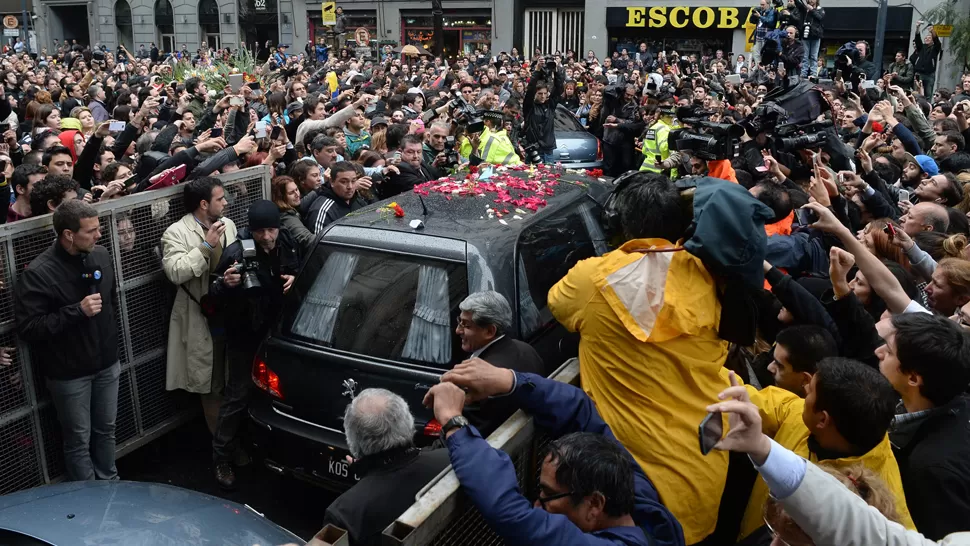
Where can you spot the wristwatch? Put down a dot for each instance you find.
(455, 422)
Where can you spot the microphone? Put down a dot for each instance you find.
(93, 278)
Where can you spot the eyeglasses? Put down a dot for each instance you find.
(543, 500)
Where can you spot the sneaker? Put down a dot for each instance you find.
(225, 475)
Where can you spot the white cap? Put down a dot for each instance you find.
(416, 90)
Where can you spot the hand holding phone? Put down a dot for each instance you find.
(710, 432)
(116, 126)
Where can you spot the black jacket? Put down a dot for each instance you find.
(400, 183)
(935, 468)
(63, 340)
(250, 314)
(540, 119)
(811, 18)
(511, 354)
(924, 56)
(389, 482)
(321, 207)
(791, 56)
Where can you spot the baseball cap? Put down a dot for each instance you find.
(378, 121)
(925, 162)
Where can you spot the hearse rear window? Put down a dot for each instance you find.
(379, 304)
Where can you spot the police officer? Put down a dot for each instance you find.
(494, 145)
(655, 142)
(249, 310)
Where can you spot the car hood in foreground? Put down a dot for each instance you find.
(134, 514)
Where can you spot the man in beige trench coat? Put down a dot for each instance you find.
(191, 247)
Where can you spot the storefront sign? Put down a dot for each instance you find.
(329, 15)
(260, 5)
(676, 17)
(943, 31)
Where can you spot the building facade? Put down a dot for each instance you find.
(546, 25)
(692, 26)
(468, 24)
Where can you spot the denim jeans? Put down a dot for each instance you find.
(548, 159)
(810, 59)
(232, 413)
(929, 81)
(87, 408)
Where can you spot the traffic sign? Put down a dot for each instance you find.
(10, 22)
(943, 31)
(329, 13)
(11, 32)
(362, 36)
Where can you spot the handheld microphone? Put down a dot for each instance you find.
(93, 278)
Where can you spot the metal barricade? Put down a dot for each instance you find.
(131, 230)
(443, 516)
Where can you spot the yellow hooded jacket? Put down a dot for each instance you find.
(651, 360)
(781, 415)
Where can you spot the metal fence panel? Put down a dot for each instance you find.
(443, 516)
(30, 439)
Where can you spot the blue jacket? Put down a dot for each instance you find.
(322, 52)
(488, 477)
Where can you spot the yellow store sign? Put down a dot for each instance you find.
(677, 17)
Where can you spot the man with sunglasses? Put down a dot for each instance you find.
(587, 475)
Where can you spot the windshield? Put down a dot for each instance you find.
(379, 304)
(566, 121)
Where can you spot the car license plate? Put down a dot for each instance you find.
(340, 468)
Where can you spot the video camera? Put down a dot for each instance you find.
(764, 119)
(791, 136)
(248, 266)
(712, 141)
(451, 154)
(467, 115)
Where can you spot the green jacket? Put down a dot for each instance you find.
(904, 74)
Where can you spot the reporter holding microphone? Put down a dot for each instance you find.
(64, 304)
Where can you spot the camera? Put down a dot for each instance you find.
(451, 155)
(532, 154)
(467, 115)
(791, 136)
(711, 142)
(764, 119)
(550, 64)
(248, 266)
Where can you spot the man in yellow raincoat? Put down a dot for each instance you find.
(842, 421)
(650, 356)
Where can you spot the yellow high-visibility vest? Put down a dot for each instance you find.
(654, 144)
(496, 148)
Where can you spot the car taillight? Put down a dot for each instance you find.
(432, 428)
(265, 378)
(599, 150)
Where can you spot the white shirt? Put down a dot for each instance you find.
(478, 353)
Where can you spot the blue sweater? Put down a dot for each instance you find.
(488, 476)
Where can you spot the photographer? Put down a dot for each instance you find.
(495, 146)
(621, 126)
(539, 108)
(259, 268)
(435, 150)
(765, 17)
(808, 16)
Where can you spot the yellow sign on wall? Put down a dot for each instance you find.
(330, 13)
(943, 31)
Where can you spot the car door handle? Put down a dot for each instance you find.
(422, 387)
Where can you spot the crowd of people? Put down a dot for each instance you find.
(820, 303)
